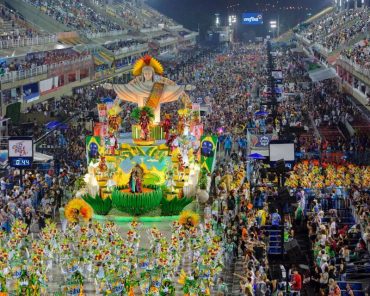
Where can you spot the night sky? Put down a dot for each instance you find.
(194, 13)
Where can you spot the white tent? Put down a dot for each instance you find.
(322, 74)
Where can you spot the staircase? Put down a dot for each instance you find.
(234, 286)
(330, 134)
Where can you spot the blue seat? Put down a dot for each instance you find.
(274, 250)
(275, 238)
(274, 232)
(354, 286)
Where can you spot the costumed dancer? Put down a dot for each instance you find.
(112, 143)
(144, 124)
(166, 126)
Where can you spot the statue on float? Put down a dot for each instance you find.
(136, 179)
(149, 88)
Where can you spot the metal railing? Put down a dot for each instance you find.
(167, 40)
(357, 67)
(21, 42)
(150, 30)
(105, 34)
(133, 48)
(39, 70)
(323, 50)
(303, 39)
(175, 27)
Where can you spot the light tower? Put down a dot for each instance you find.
(217, 20)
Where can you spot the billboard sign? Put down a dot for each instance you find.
(282, 150)
(261, 141)
(277, 74)
(31, 92)
(20, 152)
(252, 18)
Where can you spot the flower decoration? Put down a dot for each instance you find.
(77, 209)
(189, 219)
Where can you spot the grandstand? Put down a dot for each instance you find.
(90, 40)
(338, 38)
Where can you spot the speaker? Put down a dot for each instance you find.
(271, 177)
(292, 249)
(284, 194)
(280, 166)
(258, 252)
(275, 272)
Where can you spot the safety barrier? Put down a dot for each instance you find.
(44, 69)
(20, 42)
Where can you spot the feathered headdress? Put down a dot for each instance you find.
(147, 60)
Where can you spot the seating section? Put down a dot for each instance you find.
(33, 60)
(358, 266)
(359, 53)
(76, 15)
(13, 27)
(335, 29)
(123, 45)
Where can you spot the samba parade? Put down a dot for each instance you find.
(195, 148)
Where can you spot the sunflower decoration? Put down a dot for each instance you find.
(19, 229)
(182, 278)
(147, 61)
(77, 209)
(2, 234)
(4, 255)
(189, 219)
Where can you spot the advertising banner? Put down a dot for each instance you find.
(31, 92)
(102, 112)
(48, 85)
(261, 141)
(20, 152)
(101, 129)
(252, 18)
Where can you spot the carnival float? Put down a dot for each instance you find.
(155, 170)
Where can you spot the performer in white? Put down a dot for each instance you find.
(92, 184)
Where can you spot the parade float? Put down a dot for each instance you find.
(154, 171)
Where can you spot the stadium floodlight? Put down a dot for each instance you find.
(217, 19)
(232, 19)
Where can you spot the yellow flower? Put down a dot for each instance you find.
(182, 277)
(77, 208)
(187, 217)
